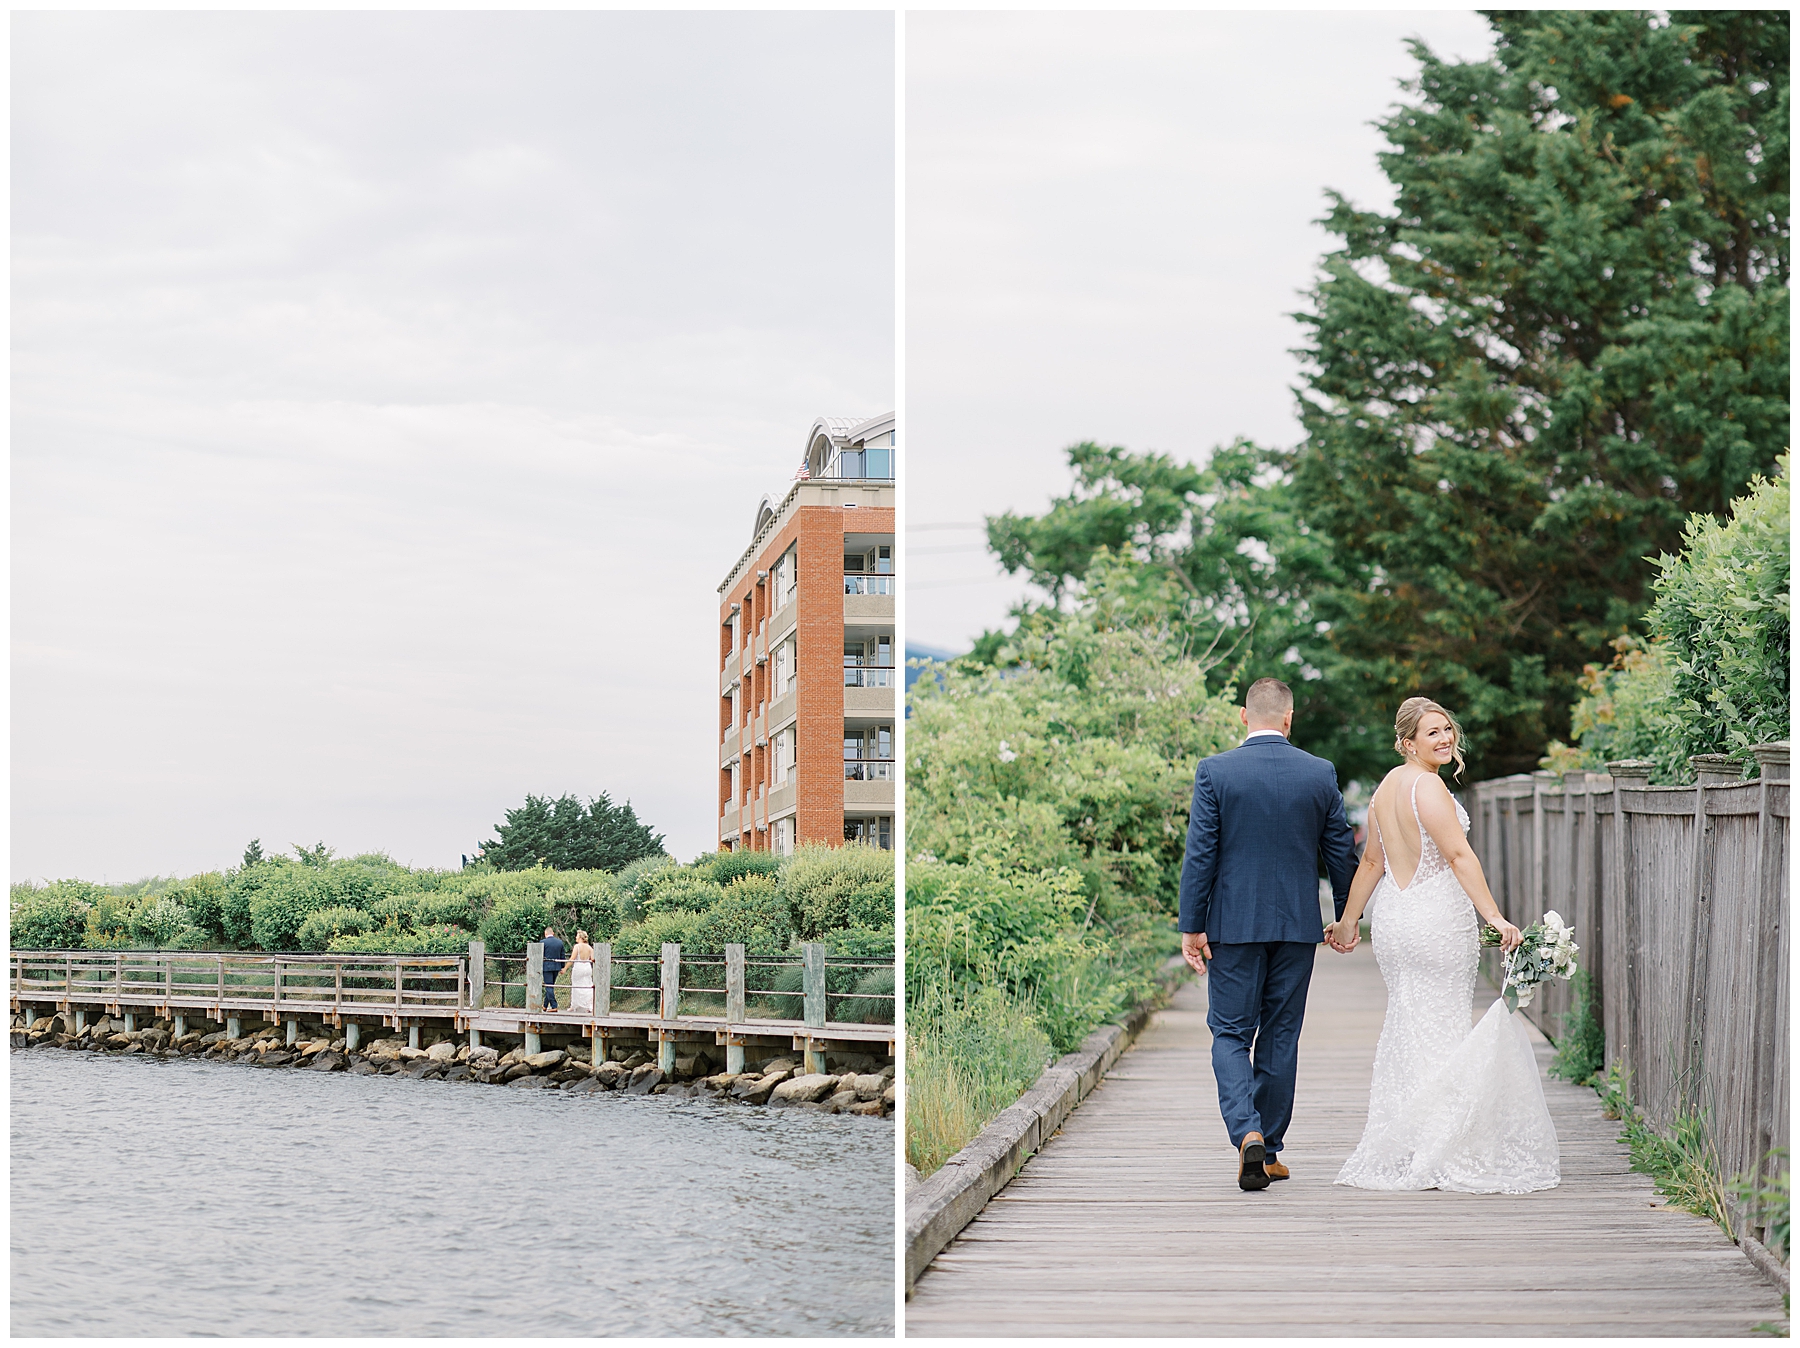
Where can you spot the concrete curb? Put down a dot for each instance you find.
(938, 1208)
(1771, 1267)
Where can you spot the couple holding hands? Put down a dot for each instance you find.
(1450, 1107)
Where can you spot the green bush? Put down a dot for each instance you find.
(724, 867)
(1713, 678)
(752, 913)
(514, 922)
(592, 907)
(436, 939)
(320, 929)
(829, 888)
(872, 1002)
(164, 923)
(647, 937)
(681, 891)
(635, 882)
(204, 898)
(51, 917)
(284, 901)
(1581, 1051)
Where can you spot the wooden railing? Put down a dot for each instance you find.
(1678, 897)
(729, 989)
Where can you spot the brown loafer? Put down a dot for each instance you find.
(1274, 1169)
(1251, 1175)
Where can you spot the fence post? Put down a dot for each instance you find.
(1622, 1001)
(534, 991)
(671, 1005)
(1769, 1094)
(477, 985)
(1710, 770)
(603, 979)
(734, 1006)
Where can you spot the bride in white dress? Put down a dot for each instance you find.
(581, 975)
(1449, 1107)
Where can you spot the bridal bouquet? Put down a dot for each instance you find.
(1547, 950)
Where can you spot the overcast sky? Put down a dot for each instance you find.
(390, 395)
(1109, 217)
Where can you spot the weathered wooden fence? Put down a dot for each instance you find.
(1678, 897)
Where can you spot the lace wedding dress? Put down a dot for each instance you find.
(1449, 1107)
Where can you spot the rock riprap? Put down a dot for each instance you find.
(777, 1083)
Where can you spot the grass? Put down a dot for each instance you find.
(963, 1066)
(1581, 1051)
(1684, 1163)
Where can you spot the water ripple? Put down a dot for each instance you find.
(154, 1196)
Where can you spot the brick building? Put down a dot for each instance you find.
(807, 678)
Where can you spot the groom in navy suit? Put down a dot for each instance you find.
(1264, 815)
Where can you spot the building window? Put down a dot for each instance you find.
(786, 578)
(784, 836)
(877, 832)
(786, 755)
(785, 656)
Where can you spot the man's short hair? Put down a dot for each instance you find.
(1268, 700)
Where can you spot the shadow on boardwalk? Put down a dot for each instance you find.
(1130, 1220)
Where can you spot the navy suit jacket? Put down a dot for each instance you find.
(554, 950)
(1263, 815)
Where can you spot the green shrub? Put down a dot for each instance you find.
(1722, 607)
(445, 908)
(963, 1066)
(51, 917)
(204, 898)
(635, 882)
(437, 939)
(592, 907)
(165, 924)
(647, 937)
(861, 943)
(320, 929)
(752, 913)
(681, 891)
(514, 922)
(1713, 678)
(108, 925)
(724, 867)
(241, 888)
(829, 888)
(284, 901)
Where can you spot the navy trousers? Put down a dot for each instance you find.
(1256, 999)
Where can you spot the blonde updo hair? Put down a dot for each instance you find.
(1406, 726)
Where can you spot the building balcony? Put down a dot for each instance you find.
(762, 650)
(762, 812)
(868, 701)
(782, 798)
(782, 710)
(728, 823)
(782, 622)
(869, 609)
(728, 750)
(867, 795)
(859, 584)
(729, 676)
(868, 676)
(868, 770)
(760, 729)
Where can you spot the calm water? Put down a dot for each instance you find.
(155, 1196)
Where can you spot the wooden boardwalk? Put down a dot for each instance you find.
(1130, 1221)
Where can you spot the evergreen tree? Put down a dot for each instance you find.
(253, 853)
(566, 836)
(1570, 332)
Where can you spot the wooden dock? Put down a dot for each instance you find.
(683, 997)
(1130, 1221)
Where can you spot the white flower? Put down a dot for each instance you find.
(1006, 754)
(1525, 994)
(1553, 921)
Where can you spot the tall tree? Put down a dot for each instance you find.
(569, 836)
(1570, 332)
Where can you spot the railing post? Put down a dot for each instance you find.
(814, 984)
(734, 1006)
(534, 990)
(603, 979)
(671, 980)
(477, 985)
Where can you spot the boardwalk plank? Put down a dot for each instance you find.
(1130, 1220)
